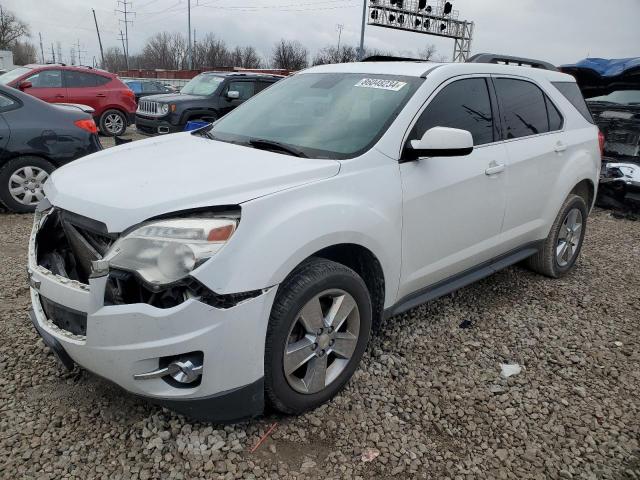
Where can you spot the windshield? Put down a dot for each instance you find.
(202, 85)
(321, 115)
(11, 75)
(621, 97)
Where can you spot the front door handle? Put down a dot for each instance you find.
(560, 147)
(59, 96)
(100, 95)
(494, 169)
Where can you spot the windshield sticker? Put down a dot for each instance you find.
(393, 85)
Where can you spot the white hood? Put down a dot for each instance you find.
(126, 185)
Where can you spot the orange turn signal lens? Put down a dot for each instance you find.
(221, 234)
(172, 107)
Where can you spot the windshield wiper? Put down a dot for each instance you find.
(271, 145)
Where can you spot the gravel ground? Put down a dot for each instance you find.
(428, 401)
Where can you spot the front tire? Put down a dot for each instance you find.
(562, 247)
(318, 331)
(21, 182)
(113, 123)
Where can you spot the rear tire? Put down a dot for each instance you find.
(21, 182)
(562, 247)
(323, 312)
(113, 123)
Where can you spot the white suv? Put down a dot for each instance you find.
(245, 264)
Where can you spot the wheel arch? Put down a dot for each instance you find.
(585, 189)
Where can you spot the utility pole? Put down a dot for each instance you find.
(41, 48)
(339, 28)
(195, 50)
(60, 60)
(80, 51)
(126, 58)
(53, 53)
(364, 21)
(189, 52)
(72, 55)
(126, 12)
(99, 39)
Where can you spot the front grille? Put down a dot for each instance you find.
(67, 243)
(148, 107)
(65, 318)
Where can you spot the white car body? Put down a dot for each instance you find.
(426, 222)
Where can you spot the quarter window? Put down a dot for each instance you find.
(523, 108)
(6, 103)
(555, 118)
(46, 79)
(463, 104)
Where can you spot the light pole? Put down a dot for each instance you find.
(364, 19)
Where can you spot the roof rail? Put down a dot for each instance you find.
(390, 58)
(510, 60)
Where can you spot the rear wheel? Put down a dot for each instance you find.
(113, 123)
(318, 331)
(21, 183)
(562, 247)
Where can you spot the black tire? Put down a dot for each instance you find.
(13, 166)
(310, 279)
(110, 126)
(545, 261)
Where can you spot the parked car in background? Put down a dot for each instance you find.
(612, 90)
(144, 88)
(35, 138)
(113, 102)
(245, 264)
(206, 97)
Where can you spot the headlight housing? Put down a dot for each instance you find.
(165, 251)
(164, 109)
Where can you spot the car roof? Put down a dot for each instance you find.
(62, 66)
(422, 69)
(243, 74)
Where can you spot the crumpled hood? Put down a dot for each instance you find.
(126, 185)
(175, 98)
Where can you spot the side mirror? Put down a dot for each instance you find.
(233, 94)
(442, 142)
(25, 84)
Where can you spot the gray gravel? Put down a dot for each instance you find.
(427, 402)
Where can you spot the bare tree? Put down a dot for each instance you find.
(428, 52)
(11, 29)
(114, 60)
(157, 52)
(251, 58)
(24, 53)
(330, 54)
(212, 52)
(289, 55)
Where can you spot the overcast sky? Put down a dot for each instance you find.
(560, 31)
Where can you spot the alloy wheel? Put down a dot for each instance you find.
(25, 185)
(114, 123)
(569, 237)
(321, 341)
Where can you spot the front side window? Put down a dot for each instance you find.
(463, 104)
(245, 89)
(523, 108)
(46, 79)
(322, 115)
(202, 85)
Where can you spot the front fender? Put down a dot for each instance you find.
(279, 231)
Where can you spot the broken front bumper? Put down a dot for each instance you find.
(121, 341)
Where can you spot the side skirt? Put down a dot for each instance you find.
(462, 279)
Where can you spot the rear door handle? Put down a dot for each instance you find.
(560, 147)
(494, 169)
(59, 96)
(100, 95)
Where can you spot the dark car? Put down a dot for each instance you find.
(144, 88)
(35, 138)
(206, 97)
(114, 103)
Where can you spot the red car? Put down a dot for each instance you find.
(114, 103)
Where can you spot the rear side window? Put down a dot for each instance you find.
(261, 85)
(555, 118)
(523, 108)
(6, 103)
(463, 104)
(572, 93)
(75, 79)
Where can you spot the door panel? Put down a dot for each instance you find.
(82, 88)
(453, 207)
(47, 85)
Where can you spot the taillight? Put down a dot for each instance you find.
(88, 124)
(129, 93)
(601, 141)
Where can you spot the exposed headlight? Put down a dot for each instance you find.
(164, 109)
(165, 251)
